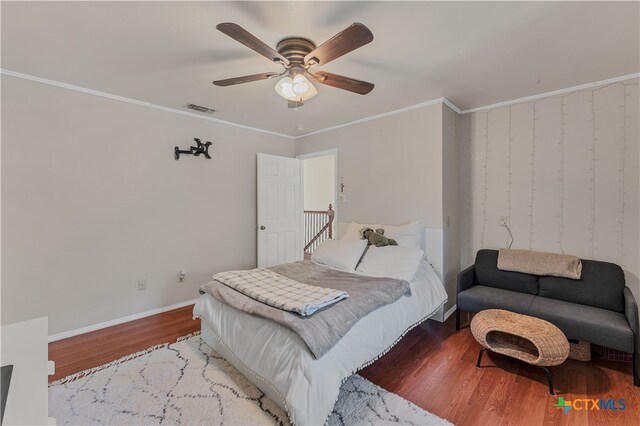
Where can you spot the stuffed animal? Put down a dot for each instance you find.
(376, 238)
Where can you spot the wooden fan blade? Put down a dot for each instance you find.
(246, 79)
(355, 36)
(342, 82)
(238, 33)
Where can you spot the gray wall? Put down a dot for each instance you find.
(401, 168)
(92, 201)
(391, 166)
(565, 171)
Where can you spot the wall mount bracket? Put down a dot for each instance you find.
(201, 148)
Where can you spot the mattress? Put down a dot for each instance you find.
(278, 361)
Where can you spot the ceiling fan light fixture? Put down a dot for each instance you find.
(284, 88)
(300, 85)
(297, 88)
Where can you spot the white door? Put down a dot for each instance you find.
(279, 210)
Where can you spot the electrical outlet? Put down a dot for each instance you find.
(142, 285)
(342, 197)
(503, 221)
(181, 276)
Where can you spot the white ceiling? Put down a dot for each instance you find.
(474, 54)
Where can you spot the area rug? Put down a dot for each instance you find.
(187, 383)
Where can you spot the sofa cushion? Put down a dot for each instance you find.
(479, 297)
(488, 274)
(600, 326)
(601, 286)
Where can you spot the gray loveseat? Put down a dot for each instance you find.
(598, 308)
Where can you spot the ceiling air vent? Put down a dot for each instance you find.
(200, 108)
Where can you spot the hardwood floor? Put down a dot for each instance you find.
(102, 346)
(433, 366)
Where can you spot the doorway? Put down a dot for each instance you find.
(320, 171)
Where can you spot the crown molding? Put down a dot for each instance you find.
(132, 101)
(375, 117)
(136, 102)
(450, 104)
(554, 93)
(444, 101)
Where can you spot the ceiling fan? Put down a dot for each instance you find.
(298, 55)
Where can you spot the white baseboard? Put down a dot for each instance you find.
(450, 312)
(105, 324)
(441, 315)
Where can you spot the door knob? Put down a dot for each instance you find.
(262, 228)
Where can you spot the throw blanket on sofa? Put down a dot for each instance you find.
(540, 263)
(279, 291)
(325, 328)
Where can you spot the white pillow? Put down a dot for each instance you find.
(405, 235)
(353, 231)
(391, 261)
(340, 254)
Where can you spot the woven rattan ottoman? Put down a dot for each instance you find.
(532, 340)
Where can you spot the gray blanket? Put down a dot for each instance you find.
(322, 330)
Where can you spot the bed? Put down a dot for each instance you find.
(277, 360)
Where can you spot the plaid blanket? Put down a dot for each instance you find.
(279, 291)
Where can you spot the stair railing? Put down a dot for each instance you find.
(318, 226)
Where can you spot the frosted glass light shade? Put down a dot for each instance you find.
(296, 89)
(300, 85)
